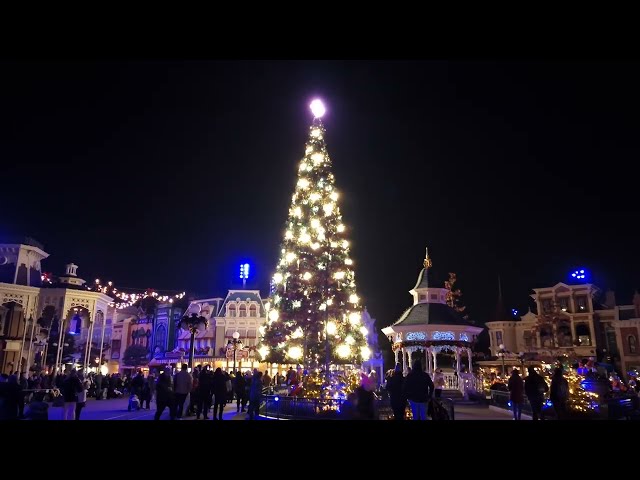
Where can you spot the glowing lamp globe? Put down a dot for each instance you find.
(236, 335)
(317, 108)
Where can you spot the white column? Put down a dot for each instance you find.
(33, 327)
(87, 350)
(470, 361)
(59, 350)
(24, 338)
(435, 362)
(458, 360)
(404, 362)
(427, 367)
(104, 326)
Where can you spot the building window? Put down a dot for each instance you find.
(583, 334)
(546, 305)
(498, 338)
(631, 341)
(581, 303)
(564, 335)
(612, 343)
(243, 310)
(253, 311)
(232, 310)
(434, 296)
(528, 339)
(546, 338)
(563, 303)
(422, 297)
(161, 337)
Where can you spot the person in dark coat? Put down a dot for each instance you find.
(98, 381)
(193, 396)
(535, 387)
(365, 405)
(205, 391)
(516, 389)
(394, 386)
(418, 389)
(219, 393)
(9, 397)
(71, 387)
(165, 396)
(240, 388)
(559, 393)
(145, 394)
(255, 395)
(137, 383)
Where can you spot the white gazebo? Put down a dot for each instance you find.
(431, 326)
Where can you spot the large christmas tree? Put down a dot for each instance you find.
(313, 311)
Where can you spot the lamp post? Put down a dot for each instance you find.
(194, 323)
(522, 360)
(236, 344)
(501, 354)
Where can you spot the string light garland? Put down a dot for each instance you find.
(121, 299)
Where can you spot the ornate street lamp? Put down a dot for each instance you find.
(194, 323)
(501, 353)
(236, 344)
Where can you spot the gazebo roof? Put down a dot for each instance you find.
(422, 279)
(431, 314)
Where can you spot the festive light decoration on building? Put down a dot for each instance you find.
(443, 336)
(416, 336)
(313, 277)
(464, 337)
(124, 300)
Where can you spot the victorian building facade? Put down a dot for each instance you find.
(35, 315)
(574, 320)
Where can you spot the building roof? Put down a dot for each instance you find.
(251, 295)
(423, 280)
(431, 314)
(20, 240)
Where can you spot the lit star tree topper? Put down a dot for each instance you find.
(314, 316)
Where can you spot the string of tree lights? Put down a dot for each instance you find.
(313, 311)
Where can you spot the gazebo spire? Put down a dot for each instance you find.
(427, 261)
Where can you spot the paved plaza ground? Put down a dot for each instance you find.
(116, 409)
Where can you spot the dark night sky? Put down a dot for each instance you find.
(167, 174)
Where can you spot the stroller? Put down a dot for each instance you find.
(437, 410)
(134, 403)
